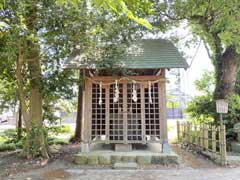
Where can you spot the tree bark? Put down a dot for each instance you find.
(19, 123)
(36, 114)
(19, 79)
(78, 129)
(226, 73)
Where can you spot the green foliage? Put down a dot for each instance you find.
(9, 140)
(201, 109)
(56, 141)
(119, 7)
(7, 147)
(59, 129)
(206, 84)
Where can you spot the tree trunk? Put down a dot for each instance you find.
(22, 97)
(19, 123)
(36, 115)
(226, 73)
(77, 135)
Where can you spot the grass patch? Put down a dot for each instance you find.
(64, 129)
(9, 140)
(56, 141)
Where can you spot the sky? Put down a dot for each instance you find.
(197, 58)
(200, 63)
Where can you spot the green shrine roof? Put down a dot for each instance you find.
(146, 54)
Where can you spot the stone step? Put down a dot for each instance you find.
(128, 166)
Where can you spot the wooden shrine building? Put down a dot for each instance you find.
(131, 108)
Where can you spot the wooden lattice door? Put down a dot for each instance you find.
(126, 120)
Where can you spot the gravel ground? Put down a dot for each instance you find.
(192, 167)
(59, 170)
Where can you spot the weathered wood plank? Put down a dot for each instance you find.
(143, 114)
(125, 112)
(107, 112)
(136, 78)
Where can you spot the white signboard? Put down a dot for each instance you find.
(221, 106)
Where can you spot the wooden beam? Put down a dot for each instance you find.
(136, 78)
(159, 72)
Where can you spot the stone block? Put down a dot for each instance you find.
(116, 159)
(125, 166)
(81, 159)
(92, 160)
(128, 159)
(104, 159)
(123, 147)
(235, 146)
(144, 160)
(158, 159)
(172, 159)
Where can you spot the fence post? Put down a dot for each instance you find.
(205, 136)
(185, 133)
(178, 131)
(190, 133)
(214, 143)
(220, 142)
(201, 136)
(196, 135)
(223, 145)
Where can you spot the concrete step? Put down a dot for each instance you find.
(128, 166)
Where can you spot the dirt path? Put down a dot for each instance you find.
(61, 167)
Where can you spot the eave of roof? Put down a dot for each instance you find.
(146, 54)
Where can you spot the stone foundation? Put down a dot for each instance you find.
(138, 157)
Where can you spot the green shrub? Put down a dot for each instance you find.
(60, 129)
(7, 147)
(52, 141)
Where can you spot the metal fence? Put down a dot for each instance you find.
(174, 113)
(205, 139)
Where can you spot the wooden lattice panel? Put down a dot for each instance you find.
(134, 125)
(98, 113)
(125, 121)
(152, 117)
(116, 123)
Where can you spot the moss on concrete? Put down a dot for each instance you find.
(81, 159)
(144, 160)
(116, 159)
(128, 159)
(93, 160)
(104, 159)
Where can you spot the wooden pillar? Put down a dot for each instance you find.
(125, 112)
(84, 135)
(107, 112)
(143, 114)
(163, 119)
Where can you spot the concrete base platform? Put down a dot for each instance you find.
(141, 157)
(235, 147)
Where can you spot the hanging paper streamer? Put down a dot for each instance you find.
(150, 92)
(134, 92)
(116, 92)
(100, 94)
